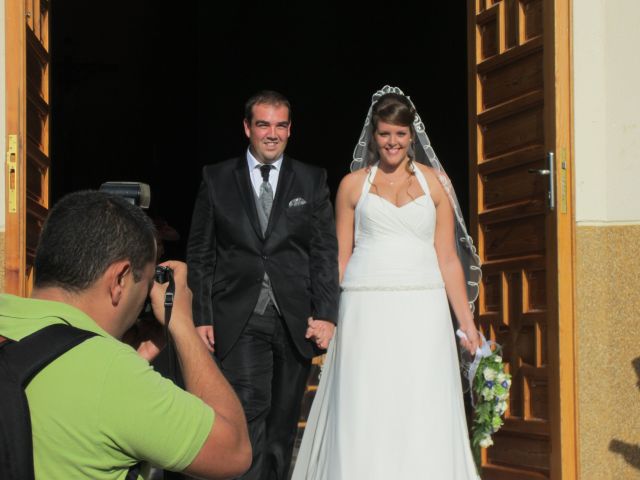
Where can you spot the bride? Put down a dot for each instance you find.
(389, 404)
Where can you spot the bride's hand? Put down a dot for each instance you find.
(320, 331)
(472, 341)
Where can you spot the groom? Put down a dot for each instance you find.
(262, 257)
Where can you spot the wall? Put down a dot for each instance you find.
(607, 166)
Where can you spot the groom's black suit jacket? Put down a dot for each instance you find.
(227, 253)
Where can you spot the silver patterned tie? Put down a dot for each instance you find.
(266, 192)
(265, 202)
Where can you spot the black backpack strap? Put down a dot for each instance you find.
(19, 363)
(134, 471)
(31, 354)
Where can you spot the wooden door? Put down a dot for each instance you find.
(520, 120)
(27, 114)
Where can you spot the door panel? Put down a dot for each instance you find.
(28, 115)
(517, 78)
(516, 117)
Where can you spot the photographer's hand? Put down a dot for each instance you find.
(180, 277)
(146, 337)
(227, 445)
(181, 310)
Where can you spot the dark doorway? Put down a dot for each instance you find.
(152, 91)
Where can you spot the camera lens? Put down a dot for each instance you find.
(163, 274)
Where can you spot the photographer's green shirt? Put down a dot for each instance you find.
(100, 408)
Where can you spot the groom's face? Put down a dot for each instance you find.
(268, 131)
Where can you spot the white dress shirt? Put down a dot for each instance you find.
(256, 176)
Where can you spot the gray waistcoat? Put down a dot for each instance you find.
(266, 292)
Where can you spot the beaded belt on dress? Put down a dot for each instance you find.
(391, 288)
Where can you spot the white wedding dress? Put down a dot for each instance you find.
(389, 404)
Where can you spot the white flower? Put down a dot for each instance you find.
(489, 374)
(494, 383)
(487, 394)
(486, 441)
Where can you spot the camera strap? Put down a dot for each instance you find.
(168, 307)
(168, 302)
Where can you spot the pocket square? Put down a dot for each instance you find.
(297, 202)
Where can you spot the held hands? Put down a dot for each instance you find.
(469, 339)
(320, 331)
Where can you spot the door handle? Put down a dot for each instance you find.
(548, 172)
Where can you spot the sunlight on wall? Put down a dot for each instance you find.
(606, 100)
(607, 166)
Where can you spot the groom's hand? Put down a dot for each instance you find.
(320, 331)
(206, 333)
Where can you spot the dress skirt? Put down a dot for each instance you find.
(389, 404)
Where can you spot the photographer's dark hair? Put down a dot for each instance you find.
(86, 232)
(268, 97)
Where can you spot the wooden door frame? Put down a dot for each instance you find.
(28, 119)
(558, 71)
(559, 134)
(16, 125)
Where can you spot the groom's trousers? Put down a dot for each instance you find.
(269, 376)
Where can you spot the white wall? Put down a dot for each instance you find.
(3, 133)
(606, 54)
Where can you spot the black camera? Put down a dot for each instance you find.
(137, 193)
(162, 274)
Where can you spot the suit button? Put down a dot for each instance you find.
(264, 257)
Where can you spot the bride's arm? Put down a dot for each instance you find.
(449, 263)
(345, 215)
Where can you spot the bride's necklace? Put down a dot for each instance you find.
(399, 179)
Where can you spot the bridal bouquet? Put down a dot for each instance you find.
(490, 386)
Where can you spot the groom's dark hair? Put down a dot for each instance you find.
(269, 97)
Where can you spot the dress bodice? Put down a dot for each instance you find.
(393, 246)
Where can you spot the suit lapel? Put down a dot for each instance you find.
(285, 181)
(247, 194)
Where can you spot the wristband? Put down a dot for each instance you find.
(462, 335)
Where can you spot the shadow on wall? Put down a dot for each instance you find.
(630, 452)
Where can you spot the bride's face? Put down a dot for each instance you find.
(393, 142)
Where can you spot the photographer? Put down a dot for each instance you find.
(100, 409)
